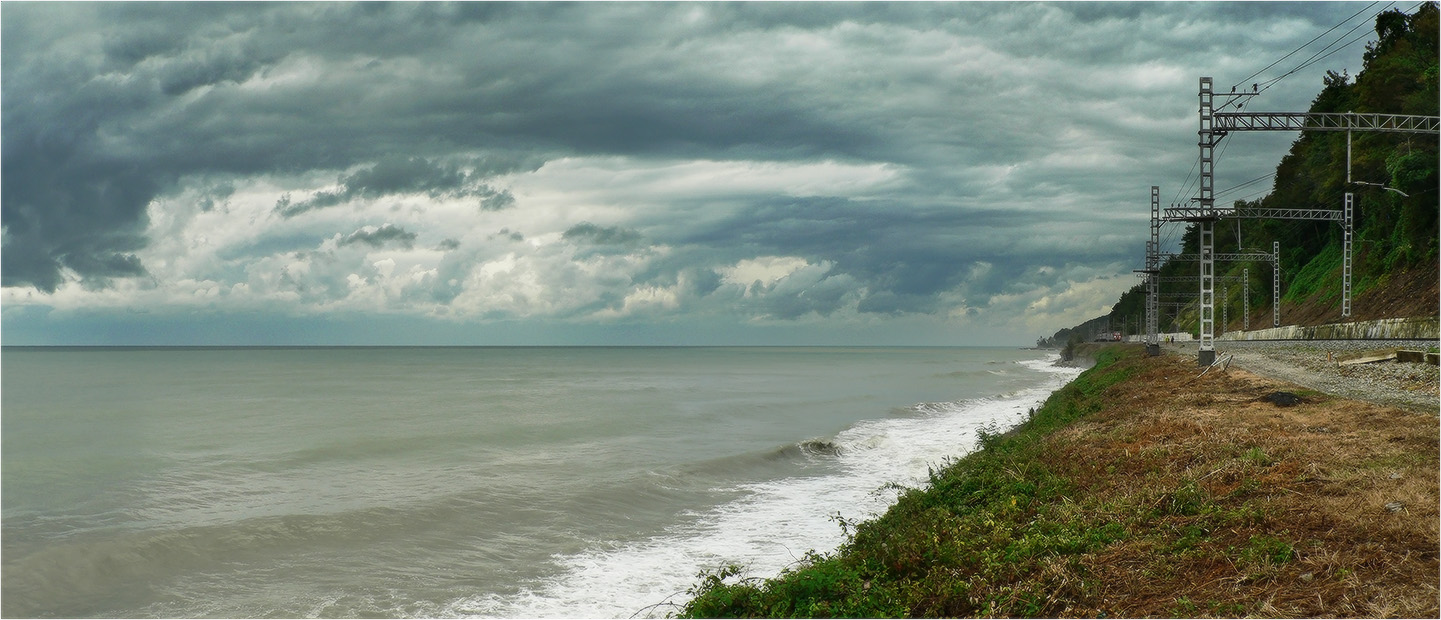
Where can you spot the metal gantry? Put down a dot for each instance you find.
(1321, 121)
(1189, 214)
(1213, 126)
(1225, 257)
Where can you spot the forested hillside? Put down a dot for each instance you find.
(1395, 245)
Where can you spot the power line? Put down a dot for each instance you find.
(1191, 181)
(1303, 45)
(1239, 186)
(1348, 44)
(1186, 184)
(1254, 194)
(1318, 56)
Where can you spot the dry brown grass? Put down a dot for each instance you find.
(1144, 490)
(1276, 511)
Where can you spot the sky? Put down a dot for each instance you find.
(611, 173)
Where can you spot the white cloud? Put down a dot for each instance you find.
(765, 270)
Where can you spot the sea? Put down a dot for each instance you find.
(534, 482)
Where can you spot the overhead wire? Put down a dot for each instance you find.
(1303, 45)
(1324, 53)
(1242, 185)
(1186, 183)
(1255, 194)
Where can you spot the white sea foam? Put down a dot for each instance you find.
(772, 526)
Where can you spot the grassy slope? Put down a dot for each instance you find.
(1141, 489)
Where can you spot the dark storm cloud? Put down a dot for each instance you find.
(376, 237)
(106, 106)
(1006, 118)
(608, 235)
(401, 175)
(53, 221)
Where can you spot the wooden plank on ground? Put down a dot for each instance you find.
(1366, 358)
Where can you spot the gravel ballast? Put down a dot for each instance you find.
(1412, 386)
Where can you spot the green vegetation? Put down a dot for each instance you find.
(1318, 277)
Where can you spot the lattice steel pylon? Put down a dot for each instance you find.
(1246, 299)
(1207, 138)
(1276, 284)
(1153, 269)
(1346, 263)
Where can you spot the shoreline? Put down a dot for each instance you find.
(1140, 489)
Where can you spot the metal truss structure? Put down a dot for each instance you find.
(1213, 126)
(1321, 121)
(1196, 214)
(1193, 279)
(1242, 256)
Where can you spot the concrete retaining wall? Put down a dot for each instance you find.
(1423, 328)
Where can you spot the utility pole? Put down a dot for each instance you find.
(1276, 284)
(1206, 352)
(1153, 270)
(1346, 255)
(1246, 299)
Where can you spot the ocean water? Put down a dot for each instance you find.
(439, 482)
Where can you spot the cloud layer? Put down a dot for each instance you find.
(979, 171)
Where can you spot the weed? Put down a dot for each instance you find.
(1267, 550)
(1257, 457)
(1187, 500)
(1227, 610)
(1247, 487)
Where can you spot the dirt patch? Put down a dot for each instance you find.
(1320, 507)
